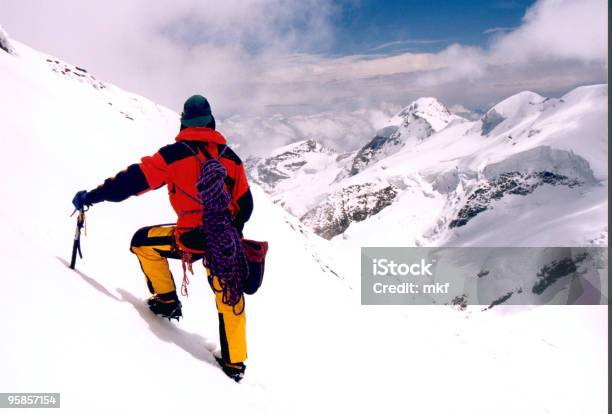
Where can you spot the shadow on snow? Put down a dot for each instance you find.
(192, 343)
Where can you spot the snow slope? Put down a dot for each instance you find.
(312, 347)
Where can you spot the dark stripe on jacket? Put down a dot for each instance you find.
(176, 152)
(229, 154)
(127, 183)
(245, 209)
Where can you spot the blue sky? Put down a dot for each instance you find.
(420, 25)
(378, 26)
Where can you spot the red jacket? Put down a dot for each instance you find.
(176, 166)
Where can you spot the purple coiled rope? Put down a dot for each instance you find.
(224, 255)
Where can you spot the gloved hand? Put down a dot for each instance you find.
(80, 200)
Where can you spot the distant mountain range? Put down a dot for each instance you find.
(530, 171)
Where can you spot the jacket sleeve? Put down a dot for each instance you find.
(137, 179)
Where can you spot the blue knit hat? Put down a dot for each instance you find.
(197, 113)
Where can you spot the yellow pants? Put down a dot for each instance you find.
(154, 246)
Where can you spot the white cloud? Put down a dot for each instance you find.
(255, 56)
(498, 30)
(458, 109)
(167, 50)
(341, 131)
(558, 29)
(406, 42)
(560, 44)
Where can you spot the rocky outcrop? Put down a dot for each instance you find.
(353, 203)
(283, 163)
(5, 44)
(521, 174)
(490, 120)
(385, 138)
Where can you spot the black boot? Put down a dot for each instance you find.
(234, 370)
(167, 305)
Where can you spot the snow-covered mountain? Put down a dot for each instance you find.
(298, 175)
(411, 125)
(432, 178)
(513, 110)
(295, 167)
(312, 348)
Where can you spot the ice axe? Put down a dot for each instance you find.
(76, 245)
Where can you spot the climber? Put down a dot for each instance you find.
(178, 166)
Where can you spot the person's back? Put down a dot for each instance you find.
(177, 165)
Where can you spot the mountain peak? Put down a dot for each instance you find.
(427, 108)
(517, 102)
(426, 101)
(586, 92)
(516, 107)
(300, 147)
